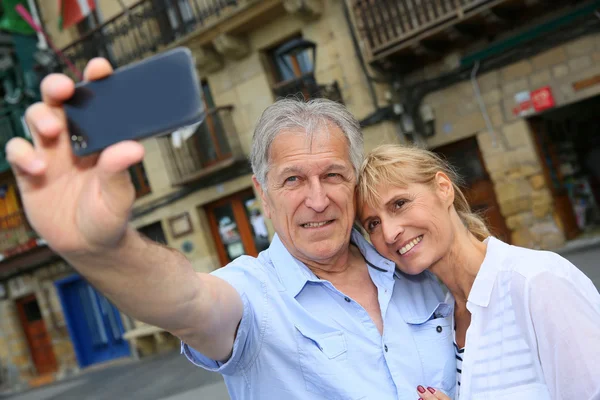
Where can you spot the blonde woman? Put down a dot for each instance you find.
(526, 323)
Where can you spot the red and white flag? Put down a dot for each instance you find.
(74, 11)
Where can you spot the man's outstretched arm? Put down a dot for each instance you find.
(81, 206)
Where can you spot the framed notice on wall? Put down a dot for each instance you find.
(181, 225)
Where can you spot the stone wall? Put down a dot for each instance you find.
(512, 161)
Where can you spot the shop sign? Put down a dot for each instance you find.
(524, 105)
(542, 99)
(529, 103)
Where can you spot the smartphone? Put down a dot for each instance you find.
(152, 97)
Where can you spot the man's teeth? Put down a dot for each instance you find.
(315, 224)
(409, 246)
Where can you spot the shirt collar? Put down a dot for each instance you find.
(481, 291)
(294, 274)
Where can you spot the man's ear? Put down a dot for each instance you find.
(263, 197)
(445, 188)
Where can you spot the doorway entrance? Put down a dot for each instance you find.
(94, 323)
(465, 156)
(568, 144)
(38, 339)
(237, 226)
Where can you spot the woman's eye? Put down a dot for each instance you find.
(398, 204)
(372, 225)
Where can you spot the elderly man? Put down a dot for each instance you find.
(319, 315)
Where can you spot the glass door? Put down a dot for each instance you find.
(237, 226)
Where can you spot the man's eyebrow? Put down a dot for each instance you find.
(335, 167)
(294, 169)
(291, 170)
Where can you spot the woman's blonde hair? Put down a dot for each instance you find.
(396, 165)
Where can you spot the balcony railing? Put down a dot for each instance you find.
(16, 236)
(214, 146)
(387, 26)
(147, 26)
(306, 87)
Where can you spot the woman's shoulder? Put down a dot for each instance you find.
(531, 262)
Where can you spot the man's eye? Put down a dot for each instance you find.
(333, 175)
(291, 179)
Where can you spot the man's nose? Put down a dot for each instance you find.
(317, 197)
(391, 232)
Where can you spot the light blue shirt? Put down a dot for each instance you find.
(301, 338)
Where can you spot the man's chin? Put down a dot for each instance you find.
(322, 250)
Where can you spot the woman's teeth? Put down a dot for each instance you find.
(410, 245)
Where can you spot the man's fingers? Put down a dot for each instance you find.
(23, 158)
(43, 121)
(115, 181)
(56, 89)
(97, 68)
(120, 156)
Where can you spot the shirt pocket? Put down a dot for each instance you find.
(434, 341)
(323, 356)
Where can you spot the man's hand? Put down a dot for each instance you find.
(78, 205)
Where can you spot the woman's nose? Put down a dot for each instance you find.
(391, 232)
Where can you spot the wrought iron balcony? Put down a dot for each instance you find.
(16, 236)
(148, 26)
(144, 28)
(306, 87)
(215, 145)
(405, 30)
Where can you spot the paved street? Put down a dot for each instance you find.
(171, 377)
(163, 377)
(587, 259)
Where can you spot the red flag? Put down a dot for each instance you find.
(74, 11)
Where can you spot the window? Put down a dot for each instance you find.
(292, 59)
(154, 232)
(237, 226)
(140, 180)
(292, 65)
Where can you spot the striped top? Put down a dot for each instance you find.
(534, 332)
(459, 359)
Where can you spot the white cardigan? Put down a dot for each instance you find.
(535, 329)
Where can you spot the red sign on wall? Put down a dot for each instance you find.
(542, 99)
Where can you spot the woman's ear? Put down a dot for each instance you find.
(445, 188)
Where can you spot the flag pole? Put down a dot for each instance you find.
(27, 17)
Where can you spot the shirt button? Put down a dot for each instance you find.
(385, 348)
(347, 299)
(439, 329)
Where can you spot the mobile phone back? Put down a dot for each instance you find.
(155, 96)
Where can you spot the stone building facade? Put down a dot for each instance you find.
(509, 152)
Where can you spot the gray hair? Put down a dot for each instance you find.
(291, 114)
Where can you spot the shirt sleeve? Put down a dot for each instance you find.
(565, 312)
(249, 280)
